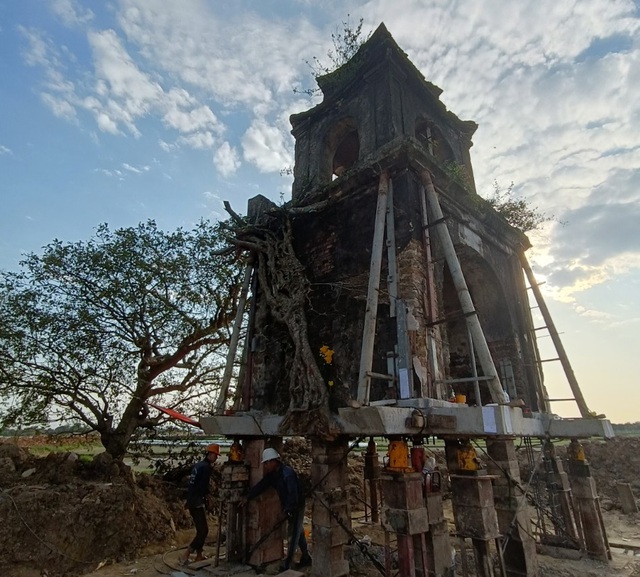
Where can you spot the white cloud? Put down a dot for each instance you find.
(264, 146)
(59, 93)
(211, 195)
(39, 51)
(237, 57)
(135, 169)
(226, 160)
(124, 92)
(551, 84)
(557, 114)
(110, 173)
(60, 107)
(165, 145)
(184, 114)
(71, 13)
(5, 150)
(198, 140)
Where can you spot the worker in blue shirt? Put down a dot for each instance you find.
(197, 491)
(291, 493)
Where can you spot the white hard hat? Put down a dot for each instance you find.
(269, 454)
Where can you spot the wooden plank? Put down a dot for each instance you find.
(627, 499)
(625, 546)
(371, 312)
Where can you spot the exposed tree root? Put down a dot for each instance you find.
(284, 285)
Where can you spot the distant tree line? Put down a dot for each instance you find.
(627, 427)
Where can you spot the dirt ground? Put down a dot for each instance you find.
(62, 516)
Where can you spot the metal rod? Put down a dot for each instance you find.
(380, 376)
(474, 369)
(464, 380)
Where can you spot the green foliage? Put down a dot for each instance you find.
(626, 429)
(91, 331)
(458, 173)
(516, 211)
(346, 43)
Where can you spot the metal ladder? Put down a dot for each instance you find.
(555, 337)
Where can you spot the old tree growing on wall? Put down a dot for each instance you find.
(91, 331)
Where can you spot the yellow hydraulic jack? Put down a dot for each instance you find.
(468, 461)
(399, 457)
(575, 451)
(236, 452)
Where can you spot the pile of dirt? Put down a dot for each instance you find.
(611, 462)
(64, 516)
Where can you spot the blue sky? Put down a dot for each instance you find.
(130, 110)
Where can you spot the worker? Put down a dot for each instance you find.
(291, 493)
(197, 491)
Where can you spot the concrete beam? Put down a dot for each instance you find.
(423, 417)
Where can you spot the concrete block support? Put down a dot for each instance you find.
(587, 504)
(560, 497)
(518, 545)
(405, 514)
(331, 518)
(473, 507)
(438, 543)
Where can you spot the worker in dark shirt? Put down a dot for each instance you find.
(290, 491)
(197, 491)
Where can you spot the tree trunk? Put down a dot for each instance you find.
(116, 440)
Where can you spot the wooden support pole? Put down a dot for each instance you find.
(233, 343)
(369, 330)
(473, 323)
(392, 263)
(434, 372)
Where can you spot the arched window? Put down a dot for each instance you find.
(342, 148)
(346, 154)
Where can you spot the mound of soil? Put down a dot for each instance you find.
(64, 516)
(614, 461)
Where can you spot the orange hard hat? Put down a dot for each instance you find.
(214, 448)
